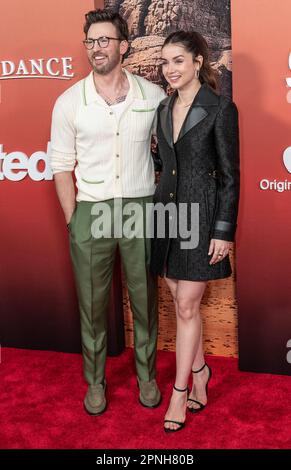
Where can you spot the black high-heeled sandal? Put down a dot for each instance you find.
(181, 425)
(201, 406)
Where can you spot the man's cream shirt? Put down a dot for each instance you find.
(111, 157)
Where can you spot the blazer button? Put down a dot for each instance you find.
(171, 195)
(173, 172)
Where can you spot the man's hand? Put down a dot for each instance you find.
(66, 193)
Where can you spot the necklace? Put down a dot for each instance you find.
(186, 105)
(183, 104)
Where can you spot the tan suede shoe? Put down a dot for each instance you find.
(95, 400)
(150, 395)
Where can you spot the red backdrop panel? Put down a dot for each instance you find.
(261, 46)
(38, 304)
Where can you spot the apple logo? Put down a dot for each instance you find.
(287, 158)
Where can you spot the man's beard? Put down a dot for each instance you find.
(108, 67)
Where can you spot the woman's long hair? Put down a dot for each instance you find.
(195, 43)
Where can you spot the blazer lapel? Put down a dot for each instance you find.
(166, 118)
(194, 116)
(199, 109)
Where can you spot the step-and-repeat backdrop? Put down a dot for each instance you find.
(261, 82)
(42, 55)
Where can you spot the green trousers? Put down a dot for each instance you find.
(93, 261)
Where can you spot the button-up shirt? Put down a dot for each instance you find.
(111, 153)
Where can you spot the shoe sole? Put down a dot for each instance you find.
(175, 430)
(94, 414)
(195, 410)
(150, 406)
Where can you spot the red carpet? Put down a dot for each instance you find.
(42, 394)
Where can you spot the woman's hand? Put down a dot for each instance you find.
(219, 249)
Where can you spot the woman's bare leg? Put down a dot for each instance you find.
(187, 296)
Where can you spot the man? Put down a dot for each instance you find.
(101, 129)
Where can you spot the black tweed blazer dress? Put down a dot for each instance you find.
(201, 167)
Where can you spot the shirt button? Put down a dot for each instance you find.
(111, 113)
(171, 195)
(173, 172)
(117, 155)
(117, 133)
(117, 176)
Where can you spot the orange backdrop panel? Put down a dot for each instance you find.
(261, 46)
(37, 302)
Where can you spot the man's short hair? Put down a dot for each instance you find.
(107, 16)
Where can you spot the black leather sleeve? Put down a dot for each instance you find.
(227, 147)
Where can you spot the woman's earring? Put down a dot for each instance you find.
(197, 73)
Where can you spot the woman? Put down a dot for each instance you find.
(199, 156)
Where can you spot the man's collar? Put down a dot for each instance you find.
(91, 95)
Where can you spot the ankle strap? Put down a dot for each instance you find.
(180, 389)
(196, 371)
